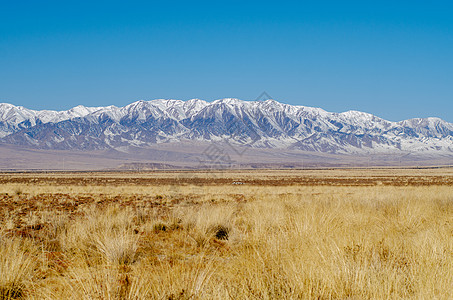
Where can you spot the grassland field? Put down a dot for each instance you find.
(236, 234)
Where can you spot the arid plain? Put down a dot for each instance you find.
(262, 234)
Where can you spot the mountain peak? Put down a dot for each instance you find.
(230, 101)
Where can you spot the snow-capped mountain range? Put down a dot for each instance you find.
(256, 124)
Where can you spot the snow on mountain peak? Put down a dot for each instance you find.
(229, 101)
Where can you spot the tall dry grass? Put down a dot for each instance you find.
(378, 242)
(17, 266)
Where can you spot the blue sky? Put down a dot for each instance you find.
(390, 58)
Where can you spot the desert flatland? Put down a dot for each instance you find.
(262, 234)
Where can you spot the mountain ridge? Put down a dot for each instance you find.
(253, 124)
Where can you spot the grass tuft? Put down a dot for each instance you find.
(17, 267)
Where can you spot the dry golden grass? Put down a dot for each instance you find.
(132, 240)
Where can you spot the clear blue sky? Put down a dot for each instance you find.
(390, 58)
